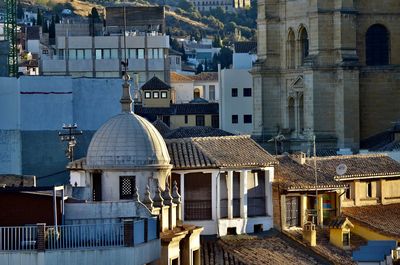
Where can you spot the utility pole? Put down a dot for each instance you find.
(316, 178)
(10, 32)
(68, 135)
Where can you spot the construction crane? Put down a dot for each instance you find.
(10, 32)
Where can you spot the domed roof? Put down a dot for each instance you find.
(127, 141)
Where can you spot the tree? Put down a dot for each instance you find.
(217, 42)
(57, 20)
(45, 27)
(225, 57)
(184, 56)
(52, 30)
(214, 63)
(199, 69)
(95, 15)
(20, 11)
(39, 20)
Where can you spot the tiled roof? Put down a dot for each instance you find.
(294, 176)
(175, 78)
(218, 152)
(359, 166)
(155, 84)
(161, 127)
(245, 46)
(195, 131)
(206, 76)
(339, 222)
(384, 219)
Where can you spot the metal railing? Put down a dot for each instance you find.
(197, 210)
(84, 236)
(18, 238)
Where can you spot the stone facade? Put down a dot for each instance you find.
(328, 68)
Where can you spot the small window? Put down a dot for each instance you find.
(106, 53)
(215, 121)
(132, 54)
(99, 54)
(178, 60)
(61, 54)
(211, 92)
(196, 93)
(186, 119)
(126, 187)
(45, 51)
(150, 53)
(140, 54)
(247, 118)
(346, 239)
(234, 92)
(235, 119)
(155, 94)
(80, 54)
(164, 94)
(166, 120)
(369, 189)
(348, 193)
(246, 92)
(114, 53)
(200, 121)
(72, 54)
(147, 94)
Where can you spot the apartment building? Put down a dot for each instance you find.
(91, 50)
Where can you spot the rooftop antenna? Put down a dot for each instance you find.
(69, 135)
(125, 61)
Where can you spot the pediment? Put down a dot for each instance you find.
(297, 83)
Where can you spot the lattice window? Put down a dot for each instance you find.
(126, 187)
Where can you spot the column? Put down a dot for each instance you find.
(214, 195)
(303, 209)
(296, 115)
(243, 193)
(182, 190)
(229, 185)
(320, 209)
(383, 192)
(357, 192)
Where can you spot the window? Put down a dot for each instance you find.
(235, 119)
(114, 53)
(88, 53)
(369, 189)
(247, 92)
(211, 92)
(147, 94)
(140, 54)
(196, 93)
(132, 54)
(164, 94)
(178, 60)
(61, 54)
(72, 54)
(166, 120)
(150, 53)
(247, 118)
(290, 51)
(160, 53)
(106, 53)
(186, 119)
(200, 120)
(126, 187)
(304, 45)
(45, 51)
(215, 121)
(377, 45)
(99, 54)
(234, 92)
(348, 193)
(155, 94)
(346, 239)
(80, 54)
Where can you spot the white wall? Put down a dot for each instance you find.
(242, 61)
(183, 91)
(232, 78)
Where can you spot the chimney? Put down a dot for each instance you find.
(298, 157)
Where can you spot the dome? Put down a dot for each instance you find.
(127, 141)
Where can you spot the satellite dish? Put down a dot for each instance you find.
(341, 169)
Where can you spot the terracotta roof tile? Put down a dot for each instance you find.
(294, 176)
(175, 78)
(384, 219)
(206, 76)
(217, 152)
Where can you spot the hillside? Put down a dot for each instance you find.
(182, 18)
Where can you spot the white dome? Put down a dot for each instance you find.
(127, 141)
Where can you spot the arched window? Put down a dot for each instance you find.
(292, 121)
(304, 45)
(291, 50)
(196, 93)
(377, 45)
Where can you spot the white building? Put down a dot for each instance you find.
(189, 87)
(236, 86)
(225, 183)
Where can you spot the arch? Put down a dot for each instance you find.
(377, 41)
(196, 93)
(291, 49)
(292, 116)
(304, 44)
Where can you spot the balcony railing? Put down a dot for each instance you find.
(82, 236)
